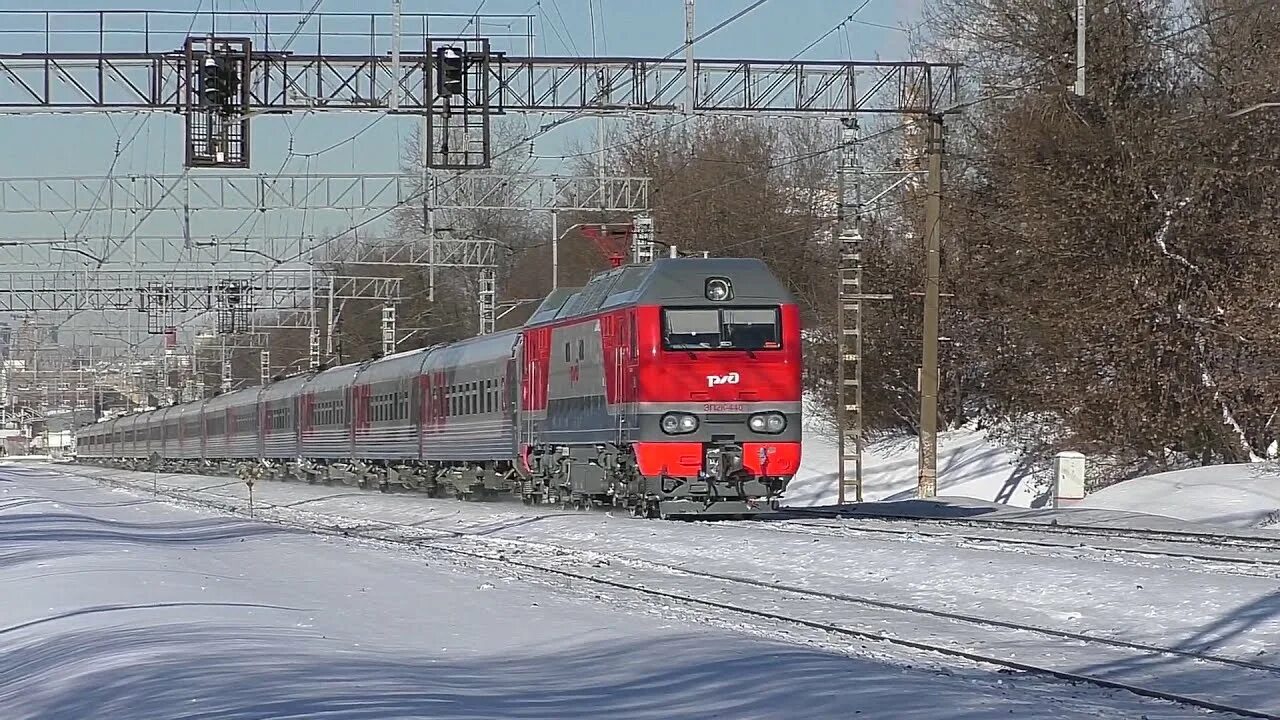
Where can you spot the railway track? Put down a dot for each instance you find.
(1256, 560)
(1241, 687)
(1187, 537)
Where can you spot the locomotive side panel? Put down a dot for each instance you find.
(578, 384)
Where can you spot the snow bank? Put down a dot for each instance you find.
(1245, 495)
(970, 464)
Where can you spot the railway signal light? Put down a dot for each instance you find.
(450, 71)
(219, 82)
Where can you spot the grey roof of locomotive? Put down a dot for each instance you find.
(665, 281)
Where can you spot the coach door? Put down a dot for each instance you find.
(514, 380)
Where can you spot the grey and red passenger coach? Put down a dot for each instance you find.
(669, 387)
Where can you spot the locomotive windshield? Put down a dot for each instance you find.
(721, 329)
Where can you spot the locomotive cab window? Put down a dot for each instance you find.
(721, 328)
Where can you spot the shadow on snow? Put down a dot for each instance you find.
(199, 672)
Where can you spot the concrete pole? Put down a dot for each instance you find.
(690, 90)
(428, 214)
(393, 101)
(555, 250)
(928, 476)
(1082, 11)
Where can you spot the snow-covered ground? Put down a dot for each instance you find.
(970, 464)
(1244, 495)
(1173, 605)
(119, 605)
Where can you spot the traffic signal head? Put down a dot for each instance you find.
(450, 71)
(219, 82)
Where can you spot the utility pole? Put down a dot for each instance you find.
(555, 250)
(849, 410)
(329, 324)
(600, 85)
(428, 215)
(225, 383)
(690, 85)
(849, 324)
(928, 479)
(313, 333)
(1082, 10)
(393, 101)
(642, 239)
(388, 329)
(849, 381)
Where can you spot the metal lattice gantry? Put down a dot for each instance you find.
(347, 192)
(286, 82)
(129, 61)
(167, 215)
(180, 291)
(165, 252)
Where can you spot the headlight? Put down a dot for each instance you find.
(718, 289)
(767, 422)
(679, 423)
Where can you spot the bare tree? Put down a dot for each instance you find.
(1109, 255)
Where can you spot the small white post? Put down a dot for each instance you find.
(1082, 12)
(1068, 478)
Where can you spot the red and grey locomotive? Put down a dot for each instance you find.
(670, 387)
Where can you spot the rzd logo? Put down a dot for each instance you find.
(730, 379)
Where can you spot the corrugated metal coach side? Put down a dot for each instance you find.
(280, 406)
(191, 431)
(387, 398)
(468, 410)
(124, 433)
(326, 413)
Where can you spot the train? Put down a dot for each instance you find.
(665, 388)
